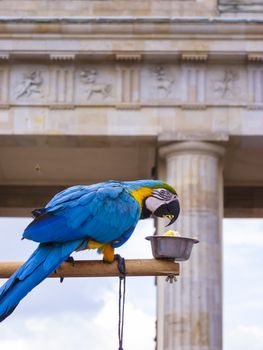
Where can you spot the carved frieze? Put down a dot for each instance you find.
(28, 84)
(226, 85)
(162, 84)
(121, 84)
(95, 84)
(89, 77)
(159, 83)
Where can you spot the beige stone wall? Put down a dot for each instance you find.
(171, 101)
(108, 8)
(207, 8)
(166, 80)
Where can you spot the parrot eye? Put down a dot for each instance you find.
(162, 194)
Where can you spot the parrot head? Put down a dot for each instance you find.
(162, 203)
(156, 198)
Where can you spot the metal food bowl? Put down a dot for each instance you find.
(170, 247)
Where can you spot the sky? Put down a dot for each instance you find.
(243, 284)
(83, 313)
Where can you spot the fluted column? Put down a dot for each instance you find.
(190, 311)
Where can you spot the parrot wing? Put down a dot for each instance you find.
(103, 212)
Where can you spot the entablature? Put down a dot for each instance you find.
(192, 82)
(121, 26)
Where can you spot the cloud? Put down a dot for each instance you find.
(254, 331)
(83, 313)
(139, 325)
(243, 337)
(80, 313)
(82, 330)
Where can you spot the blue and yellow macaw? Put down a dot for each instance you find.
(102, 216)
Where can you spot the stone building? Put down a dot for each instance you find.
(92, 90)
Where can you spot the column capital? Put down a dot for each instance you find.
(191, 147)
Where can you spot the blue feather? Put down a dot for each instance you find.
(105, 212)
(45, 259)
(101, 212)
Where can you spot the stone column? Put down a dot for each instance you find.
(190, 310)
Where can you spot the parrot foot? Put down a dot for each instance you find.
(71, 260)
(121, 265)
(61, 279)
(108, 253)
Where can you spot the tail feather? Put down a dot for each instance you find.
(45, 260)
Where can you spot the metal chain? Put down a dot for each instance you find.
(122, 291)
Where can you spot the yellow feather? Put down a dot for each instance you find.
(95, 245)
(141, 194)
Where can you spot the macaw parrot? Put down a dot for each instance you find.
(101, 216)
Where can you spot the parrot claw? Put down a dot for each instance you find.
(121, 265)
(61, 279)
(71, 260)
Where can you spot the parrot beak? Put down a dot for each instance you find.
(169, 210)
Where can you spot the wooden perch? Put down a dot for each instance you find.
(96, 268)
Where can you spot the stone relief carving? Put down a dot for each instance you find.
(88, 77)
(171, 83)
(162, 84)
(226, 87)
(32, 84)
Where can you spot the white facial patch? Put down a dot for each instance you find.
(153, 203)
(160, 196)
